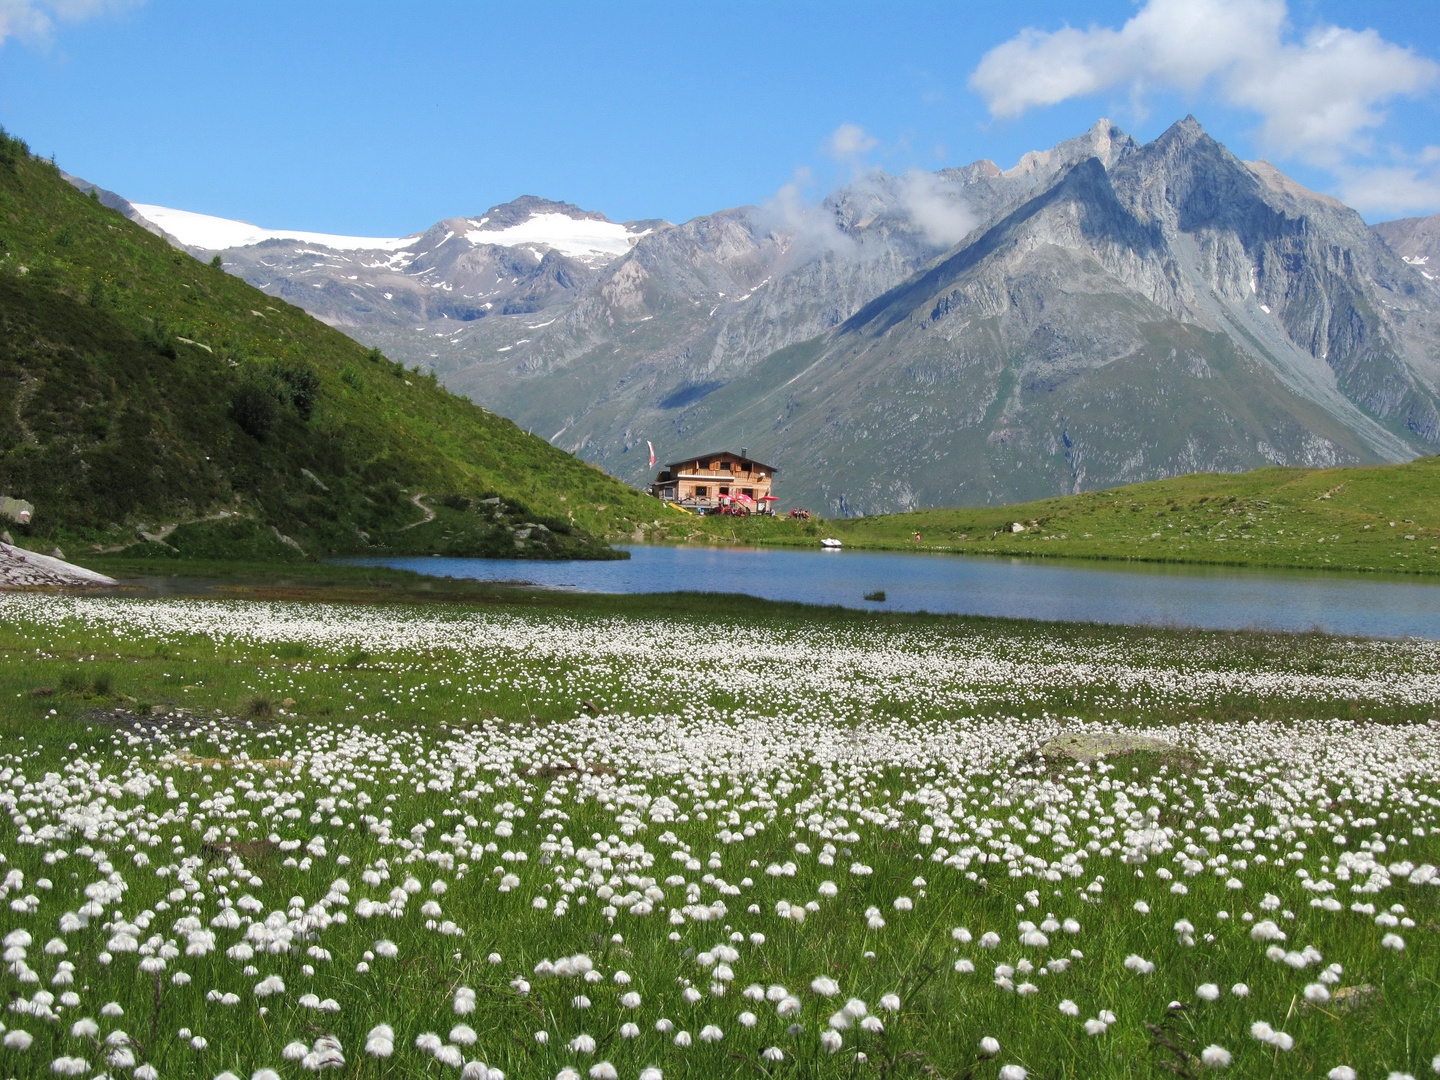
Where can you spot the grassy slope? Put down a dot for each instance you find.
(1337, 519)
(119, 362)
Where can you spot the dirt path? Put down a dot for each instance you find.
(427, 511)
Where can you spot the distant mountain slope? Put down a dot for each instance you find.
(1102, 313)
(1122, 313)
(140, 387)
(1416, 240)
(515, 258)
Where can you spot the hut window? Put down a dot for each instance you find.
(744, 466)
(750, 492)
(724, 491)
(701, 491)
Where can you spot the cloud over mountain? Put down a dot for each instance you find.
(1319, 95)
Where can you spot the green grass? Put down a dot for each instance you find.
(132, 376)
(1378, 518)
(375, 744)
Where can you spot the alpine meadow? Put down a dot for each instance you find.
(848, 567)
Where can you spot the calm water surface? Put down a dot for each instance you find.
(1215, 597)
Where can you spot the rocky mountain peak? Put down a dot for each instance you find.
(518, 211)
(1416, 240)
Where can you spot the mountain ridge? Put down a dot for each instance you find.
(1070, 336)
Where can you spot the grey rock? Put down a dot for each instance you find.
(1089, 745)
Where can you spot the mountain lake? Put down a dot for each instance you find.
(1155, 594)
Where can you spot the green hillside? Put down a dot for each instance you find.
(1382, 517)
(141, 389)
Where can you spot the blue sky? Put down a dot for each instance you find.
(379, 119)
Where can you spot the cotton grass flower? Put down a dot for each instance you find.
(1215, 1057)
(380, 1042)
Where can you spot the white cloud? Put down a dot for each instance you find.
(1410, 186)
(934, 205)
(812, 230)
(851, 140)
(34, 20)
(1318, 96)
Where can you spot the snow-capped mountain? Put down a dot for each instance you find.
(515, 257)
(1101, 313)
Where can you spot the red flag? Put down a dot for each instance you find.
(652, 452)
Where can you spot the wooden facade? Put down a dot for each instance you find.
(717, 481)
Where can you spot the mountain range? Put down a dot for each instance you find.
(1104, 312)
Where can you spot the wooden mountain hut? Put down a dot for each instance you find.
(720, 481)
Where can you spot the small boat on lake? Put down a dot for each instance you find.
(830, 542)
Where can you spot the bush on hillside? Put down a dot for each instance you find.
(302, 385)
(254, 408)
(12, 151)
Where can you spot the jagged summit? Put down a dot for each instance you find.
(1104, 140)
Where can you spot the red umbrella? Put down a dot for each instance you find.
(769, 498)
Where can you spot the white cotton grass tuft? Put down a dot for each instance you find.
(380, 1042)
(989, 1046)
(1215, 1057)
(1344, 1072)
(1012, 1072)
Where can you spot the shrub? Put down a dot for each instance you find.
(257, 707)
(254, 408)
(12, 151)
(351, 377)
(302, 384)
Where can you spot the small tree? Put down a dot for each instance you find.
(302, 382)
(255, 409)
(217, 262)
